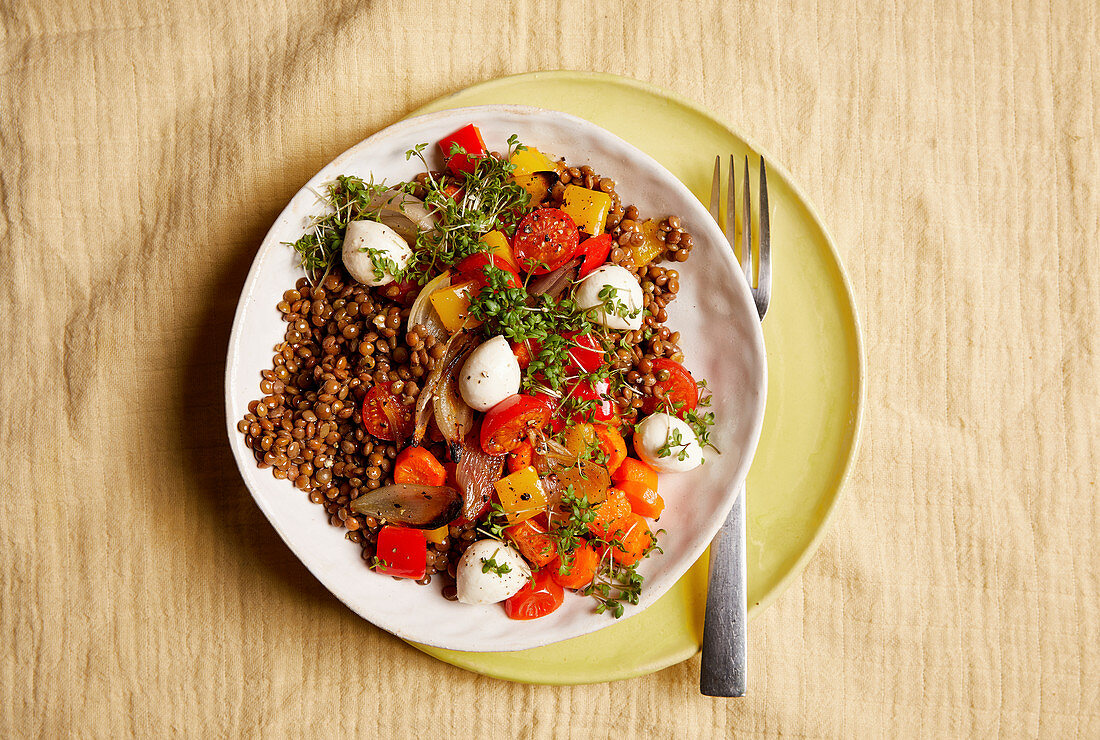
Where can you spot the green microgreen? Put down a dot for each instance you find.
(465, 208)
(347, 199)
(490, 565)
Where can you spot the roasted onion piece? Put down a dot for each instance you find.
(421, 507)
(454, 418)
(475, 473)
(554, 283)
(424, 313)
(403, 213)
(424, 406)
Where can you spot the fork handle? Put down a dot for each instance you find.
(723, 669)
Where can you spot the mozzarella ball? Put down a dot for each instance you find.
(366, 240)
(625, 290)
(490, 375)
(480, 585)
(662, 431)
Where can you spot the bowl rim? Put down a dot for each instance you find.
(753, 410)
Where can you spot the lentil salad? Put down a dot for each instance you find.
(391, 345)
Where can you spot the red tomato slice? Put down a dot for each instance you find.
(595, 251)
(537, 599)
(473, 268)
(403, 552)
(384, 416)
(680, 389)
(506, 424)
(603, 408)
(545, 240)
(468, 138)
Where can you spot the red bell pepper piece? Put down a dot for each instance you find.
(469, 140)
(402, 552)
(585, 353)
(603, 408)
(595, 251)
(473, 268)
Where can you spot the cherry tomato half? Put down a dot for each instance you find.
(506, 424)
(595, 251)
(545, 239)
(679, 387)
(384, 416)
(473, 268)
(538, 598)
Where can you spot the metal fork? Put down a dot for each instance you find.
(723, 671)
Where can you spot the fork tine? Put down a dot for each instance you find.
(746, 226)
(764, 265)
(731, 211)
(715, 189)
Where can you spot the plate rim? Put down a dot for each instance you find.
(777, 168)
(248, 293)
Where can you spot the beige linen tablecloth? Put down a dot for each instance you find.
(147, 147)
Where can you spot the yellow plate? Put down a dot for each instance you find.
(815, 380)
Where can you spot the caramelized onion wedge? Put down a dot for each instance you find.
(423, 312)
(453, 416)
(427, 394)
(475, 474)
(421, 507)
(403, 213)
(550, 456)
(555, 282)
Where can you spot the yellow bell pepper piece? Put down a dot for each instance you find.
(536, 186)
(651, 248)
(521, 495)
(587, 208)
(498, 243)
(436, 536)
(453, 306)
(530, 160)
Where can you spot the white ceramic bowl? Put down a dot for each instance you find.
(720, 335)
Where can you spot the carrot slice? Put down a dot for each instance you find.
(613, 445)
(636, 470)
(629, 538)
(612, 509)
(643, 500)
(417, 466)
(579, 571)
